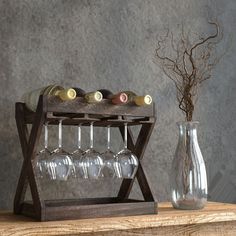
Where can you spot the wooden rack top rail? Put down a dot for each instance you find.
(105, 107)
(103, 113)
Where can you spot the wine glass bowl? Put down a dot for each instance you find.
(127, 162)
(92, 164)
(109, 160)
(41, 165)
(41, 160)
(108, 170)
(92, 161)
(60, 164)
(78, 170)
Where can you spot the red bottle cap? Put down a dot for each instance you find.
(120, 98)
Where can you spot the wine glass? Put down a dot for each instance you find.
(91, 160)
(108, 157)
(78, 171)
(127, 162)
(60, 164)
(41, 159)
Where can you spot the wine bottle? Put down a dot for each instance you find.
(92, 97)
(119, 98)
(31, 98)
(138, 100)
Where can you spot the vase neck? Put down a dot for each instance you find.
(188, 129)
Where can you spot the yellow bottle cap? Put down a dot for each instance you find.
(98, 96)
(66, 94)
(143, 100)
(94, 97)
(148, 99)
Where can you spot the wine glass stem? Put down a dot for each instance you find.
(91, 135)
(60, 134)
(46, 135)
(108, 137)
(79, 136)
(125, 138)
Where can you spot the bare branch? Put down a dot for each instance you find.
(206, 39)
(190, 64)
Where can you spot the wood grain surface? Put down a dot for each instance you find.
(214, 219)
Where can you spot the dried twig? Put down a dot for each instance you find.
(189, 65)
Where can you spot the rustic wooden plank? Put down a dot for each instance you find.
(87, 201)
(213, 229)
(84, 201)
(98, 210)
(214, 219)
(64, 209)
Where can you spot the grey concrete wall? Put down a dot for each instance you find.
(110, 43)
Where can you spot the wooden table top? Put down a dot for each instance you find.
(214, 212)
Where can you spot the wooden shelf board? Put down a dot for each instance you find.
(167, 217)
(89, 208)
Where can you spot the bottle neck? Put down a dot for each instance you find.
(143, 100)
(119, 98)
(93, 97)
(138, 100)
(65, 94)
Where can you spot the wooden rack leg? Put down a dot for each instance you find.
(138, 149)
(24, 137)
(27, 170)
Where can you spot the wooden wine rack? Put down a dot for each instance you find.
(51, 110)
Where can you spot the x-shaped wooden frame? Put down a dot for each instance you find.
(30, 142)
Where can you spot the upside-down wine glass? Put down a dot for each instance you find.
(42, 157)
(127, 161)
(108, 157)
(92, 160)
(78, 171)
(60, 164)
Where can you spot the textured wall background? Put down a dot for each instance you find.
(110, 43)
